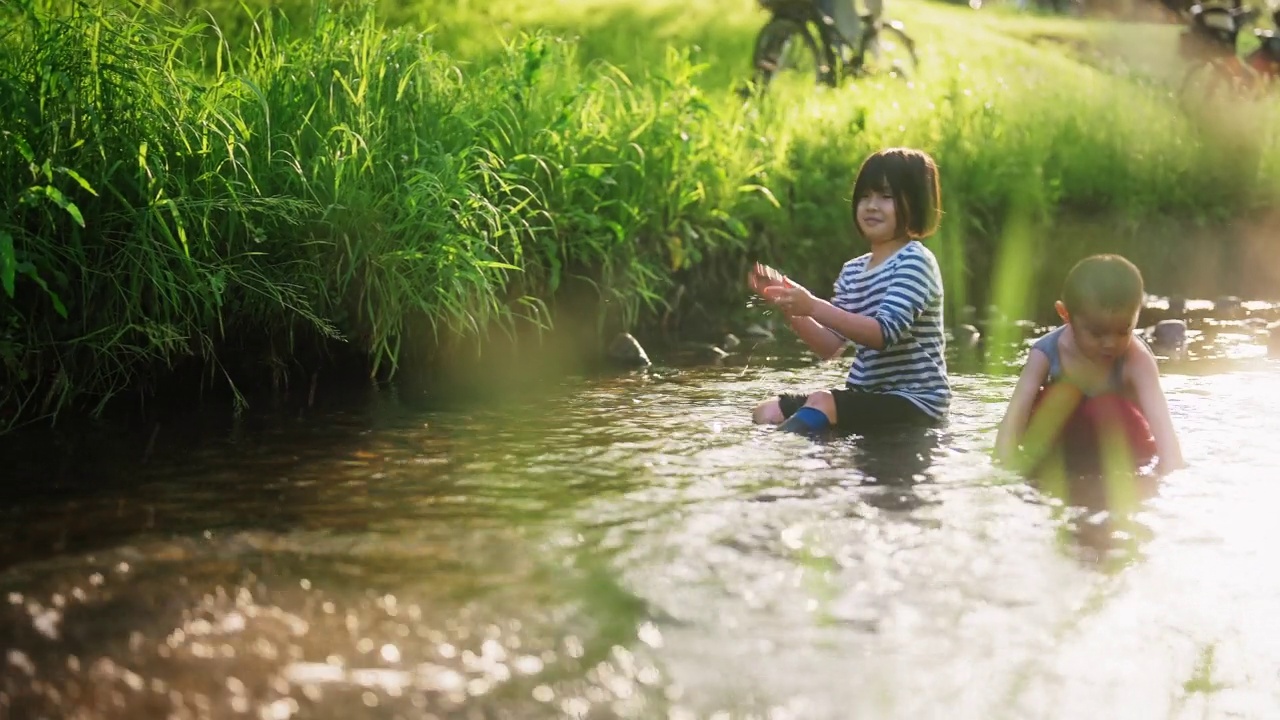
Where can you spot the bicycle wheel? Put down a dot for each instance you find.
(890, 51)
(1206, 84)
(785, 44)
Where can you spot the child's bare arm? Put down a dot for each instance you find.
(905, 299)
(815, 330)
(1018, 413)
(778, 290)
(1144, 375)
(861, 329)
(915, 283)
(820, 339)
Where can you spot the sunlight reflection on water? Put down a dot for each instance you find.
(633, 546)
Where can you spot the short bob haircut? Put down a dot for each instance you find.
(910, 177)
(1103, 283)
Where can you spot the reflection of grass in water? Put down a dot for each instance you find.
(614, 650)
(1200, 683)
(1201, 680)
(820, 571)
(1095, 511)
(1093, 604)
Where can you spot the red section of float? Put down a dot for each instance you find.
(1084, 429)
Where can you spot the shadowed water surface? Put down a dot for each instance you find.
(632, 547)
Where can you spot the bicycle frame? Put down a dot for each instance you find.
(808, 13)
(1213, 47)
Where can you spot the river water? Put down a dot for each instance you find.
(631, 546)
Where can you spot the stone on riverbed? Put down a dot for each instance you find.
(626, 351)
(1173, 308)
(1169, 338)
(697, 353)
(966, 337)
(1228, 307)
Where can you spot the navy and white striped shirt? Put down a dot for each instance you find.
(904, 295)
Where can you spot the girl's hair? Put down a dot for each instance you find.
(1103, 283)
(910, 177)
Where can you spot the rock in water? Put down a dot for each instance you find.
(693, 353)
(706, 352)
(1228, 307)
(1169, 337)
(626, 351)
(966, 337)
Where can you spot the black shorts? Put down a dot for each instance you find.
(859, 410)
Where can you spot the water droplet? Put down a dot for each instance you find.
(47, 623)
(493, 650)
(527, 665)
(390, 653)
(233, 623)
(648, 675)
(280, 709)
(19, 660)
(650, 635)
(573, 647)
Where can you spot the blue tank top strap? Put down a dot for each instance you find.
(1117, 371)
(1116, 381)
(1048, 344)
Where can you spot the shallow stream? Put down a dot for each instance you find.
(631, 546)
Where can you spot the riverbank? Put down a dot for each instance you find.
(249, 206)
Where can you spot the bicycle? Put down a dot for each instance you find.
(786, 43)
(1209, 43)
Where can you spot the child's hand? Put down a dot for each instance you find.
(792, 299)
(763, 277)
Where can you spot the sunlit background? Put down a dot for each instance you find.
(228, 211)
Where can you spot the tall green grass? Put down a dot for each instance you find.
(132, 233)
(177, 194)
(1046, 121)
(244, 191)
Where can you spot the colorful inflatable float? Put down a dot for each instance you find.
(1087, 434)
